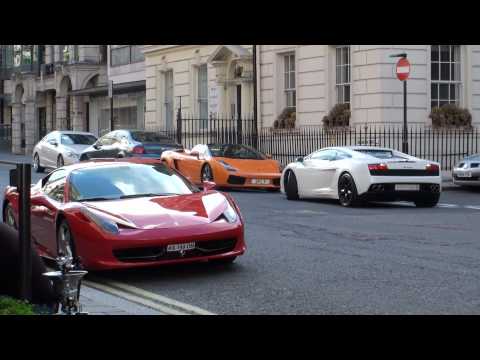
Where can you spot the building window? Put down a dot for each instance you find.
(342, 74)
(125, 54)
(137, 54)
(168, 99)
(445, 75)
(202, 93)
(290, 81)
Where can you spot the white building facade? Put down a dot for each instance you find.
(202, 80)
(311, 79)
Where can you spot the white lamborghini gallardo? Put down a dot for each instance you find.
(357, 174)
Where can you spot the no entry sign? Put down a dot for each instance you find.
(403, 69)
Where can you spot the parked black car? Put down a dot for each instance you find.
(124, 143)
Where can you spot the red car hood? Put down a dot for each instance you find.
(164, 212)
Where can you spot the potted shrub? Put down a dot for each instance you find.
(286, 120)
(451, 115)
(339, 116)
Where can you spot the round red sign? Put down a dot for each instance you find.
(403, 69)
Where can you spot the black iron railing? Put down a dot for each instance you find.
(446, 146)
(191, 130)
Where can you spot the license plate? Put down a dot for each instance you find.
(180, 247)
(466, 174)
(260, 181)
(407, 187)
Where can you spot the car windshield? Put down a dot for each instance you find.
(127, 181)
(235, 152)
(144, 136)
(380, 154)
(77, 139)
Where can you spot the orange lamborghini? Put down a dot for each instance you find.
(228, 165)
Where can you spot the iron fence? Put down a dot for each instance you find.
(446, 146)
(192, 130)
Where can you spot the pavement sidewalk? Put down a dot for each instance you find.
(96, 302)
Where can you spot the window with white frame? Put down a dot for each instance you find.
(290, 81)
(202, 92)
(342, 74)
(445, 75)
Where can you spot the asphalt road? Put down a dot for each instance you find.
(315, 257)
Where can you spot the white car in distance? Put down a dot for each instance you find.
(60, 148)
(358, 174)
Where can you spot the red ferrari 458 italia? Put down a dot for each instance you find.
(122, 215)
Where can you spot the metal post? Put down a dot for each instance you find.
(25, 246)
(110, 95)
(405, 129)
(179, 121)
(255, 118)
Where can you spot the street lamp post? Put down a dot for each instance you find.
(403, 71)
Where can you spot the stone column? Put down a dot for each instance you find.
(30, 126)
(48, 111)
(17, 128)
(61, 116)
(78, 118)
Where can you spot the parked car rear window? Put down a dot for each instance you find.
(77, 139)
(381, 154)
(143, 136)
(234, 151)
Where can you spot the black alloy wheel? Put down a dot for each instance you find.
(347, 191)
(36, 164)
(10, 217)
(60, 161)
(65, 242)
(291, 186)
(207, 173)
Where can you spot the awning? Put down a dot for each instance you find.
(122, 88)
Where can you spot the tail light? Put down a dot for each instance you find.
(138, 149)
(377, 167)
(432, 168)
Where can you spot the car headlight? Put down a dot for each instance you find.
(230, 214)
(72, 154)
(227, 166)
(107, 225)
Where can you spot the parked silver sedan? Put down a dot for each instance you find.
(60, 148)
(467, 172)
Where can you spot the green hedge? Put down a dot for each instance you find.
(9, 306)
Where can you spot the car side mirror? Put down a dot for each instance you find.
(196, 154)
(299, 159)
(53, 142)
(96, 146)
(209, 185)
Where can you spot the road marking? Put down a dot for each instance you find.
(472, 207)
(146, 298)
(448, 205)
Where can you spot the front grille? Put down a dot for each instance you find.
(203, 248)
(474, 165)
(236, 180)
(404, 172)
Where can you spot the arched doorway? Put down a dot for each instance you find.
(64, 104)
(18, 114)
